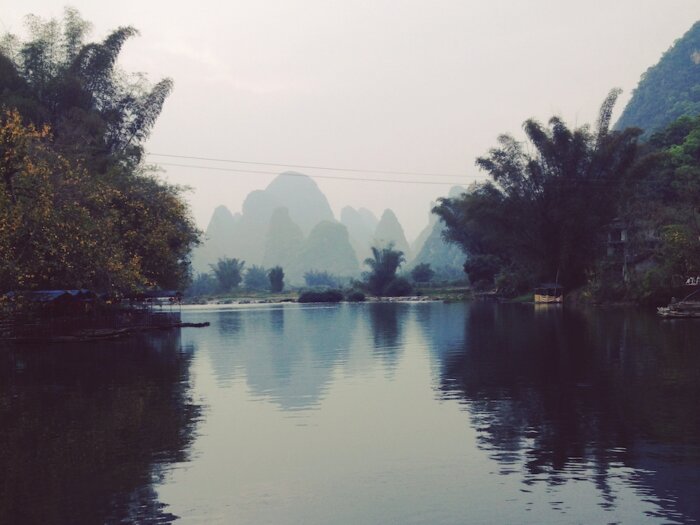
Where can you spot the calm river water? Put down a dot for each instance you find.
(423, 413)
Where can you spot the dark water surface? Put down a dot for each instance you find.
(360, 414)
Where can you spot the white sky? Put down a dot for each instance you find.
(402, 85)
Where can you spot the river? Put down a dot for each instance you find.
(374, 413)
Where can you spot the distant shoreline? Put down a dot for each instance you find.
(428, 295)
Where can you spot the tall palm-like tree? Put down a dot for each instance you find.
(383, 266)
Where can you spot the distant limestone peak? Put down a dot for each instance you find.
(360, 229)
(284, 239)
(328, 249)
(221, 213)
(370, 219)
(389, 231)
(290, 223)
(301, 195)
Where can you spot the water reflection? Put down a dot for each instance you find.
(367, 413)
(387, 325)
(561, 395)
(87, 432)
(285, 354)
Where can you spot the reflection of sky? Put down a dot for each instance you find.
(538, 418)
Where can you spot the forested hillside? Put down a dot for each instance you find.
(668, 90)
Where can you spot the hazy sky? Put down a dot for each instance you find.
(402, 85)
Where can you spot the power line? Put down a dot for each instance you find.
(302, 166)
(569, 184)
(330, 177)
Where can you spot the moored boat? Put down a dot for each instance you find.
(681, 309)
(684, 308)
(551, 293)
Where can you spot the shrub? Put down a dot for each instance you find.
(355, 297)
(399, 287)
(327, 296)
(422, 273)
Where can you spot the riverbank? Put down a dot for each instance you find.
(243, 297)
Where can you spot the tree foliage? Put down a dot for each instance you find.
(276, 276)
(324, 296)
(62, 226)
(94, 109)
(661, 210)
(202, 284)
(255, 278)
(77, 206)
(422, 273)
(228, 273)
(547, 205)
(383, 265)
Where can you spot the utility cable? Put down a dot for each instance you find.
(302, 166)
(329, 177)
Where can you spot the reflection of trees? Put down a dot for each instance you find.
(229, 322)
(443, 326)
(570, 393)
(387, 330)
(288, 352)
(385, 324)
(86, 432)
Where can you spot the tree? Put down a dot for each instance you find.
(62, 226)
(482, 269)
(202, 284)
(661, 211)
(276, 276)
(545, 211)
(383, 266)
(422, 273)
(228, 273)
(76, 87)
(78, 208)
(256, 278)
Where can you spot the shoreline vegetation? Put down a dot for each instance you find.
(80, 208)
(612, 213)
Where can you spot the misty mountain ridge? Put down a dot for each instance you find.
(390, 232)
(290, 223)
(361, 224)
(445, 258)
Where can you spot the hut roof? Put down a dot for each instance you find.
(50, 296)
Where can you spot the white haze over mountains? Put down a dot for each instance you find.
(290, 224)
(388, 85)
